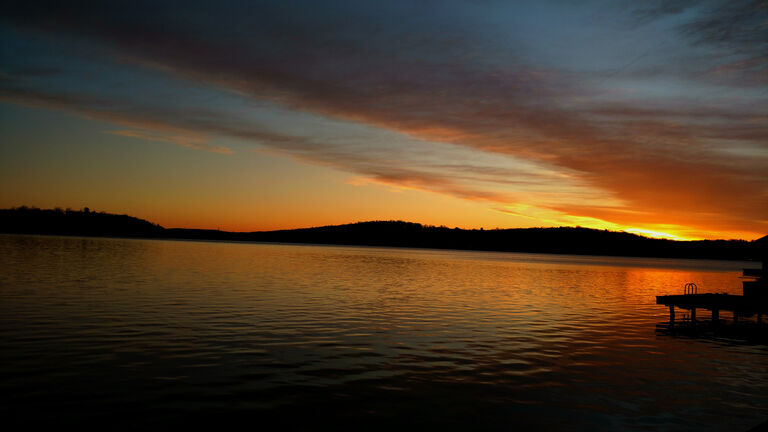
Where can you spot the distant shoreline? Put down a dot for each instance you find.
(426, 249)
(562, 240)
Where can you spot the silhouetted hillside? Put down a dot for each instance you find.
(26, 220)
(565, 240)
(562, 240)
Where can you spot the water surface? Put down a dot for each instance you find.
(149, 332)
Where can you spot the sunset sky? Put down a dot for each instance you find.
(648, 117)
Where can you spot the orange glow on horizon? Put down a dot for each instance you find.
(288, 222)
(656, 234)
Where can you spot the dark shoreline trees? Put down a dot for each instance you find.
(31, 220)
(563, 240)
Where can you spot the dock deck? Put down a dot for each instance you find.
(740, 306)
(754, 300)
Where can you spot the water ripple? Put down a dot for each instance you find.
(161, 332)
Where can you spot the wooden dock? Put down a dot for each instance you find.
(754, 300)
(739, 306)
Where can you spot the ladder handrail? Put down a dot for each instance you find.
(690, 288)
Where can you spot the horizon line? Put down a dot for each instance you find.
(637, 232)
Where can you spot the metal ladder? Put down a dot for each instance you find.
(690, 288)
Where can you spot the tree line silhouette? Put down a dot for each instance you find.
(563, 240)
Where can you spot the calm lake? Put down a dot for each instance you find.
(119, 333)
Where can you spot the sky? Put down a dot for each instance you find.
(648, 117)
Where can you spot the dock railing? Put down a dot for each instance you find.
(690, 288)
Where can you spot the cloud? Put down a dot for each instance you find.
(739, 24)
(410, 170)
(733, 31)
(147, 123)
(457, 79)
(184, 140)
(656, 9)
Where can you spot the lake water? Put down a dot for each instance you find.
(143, 333)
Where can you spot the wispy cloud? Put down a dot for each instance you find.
(185, 140)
